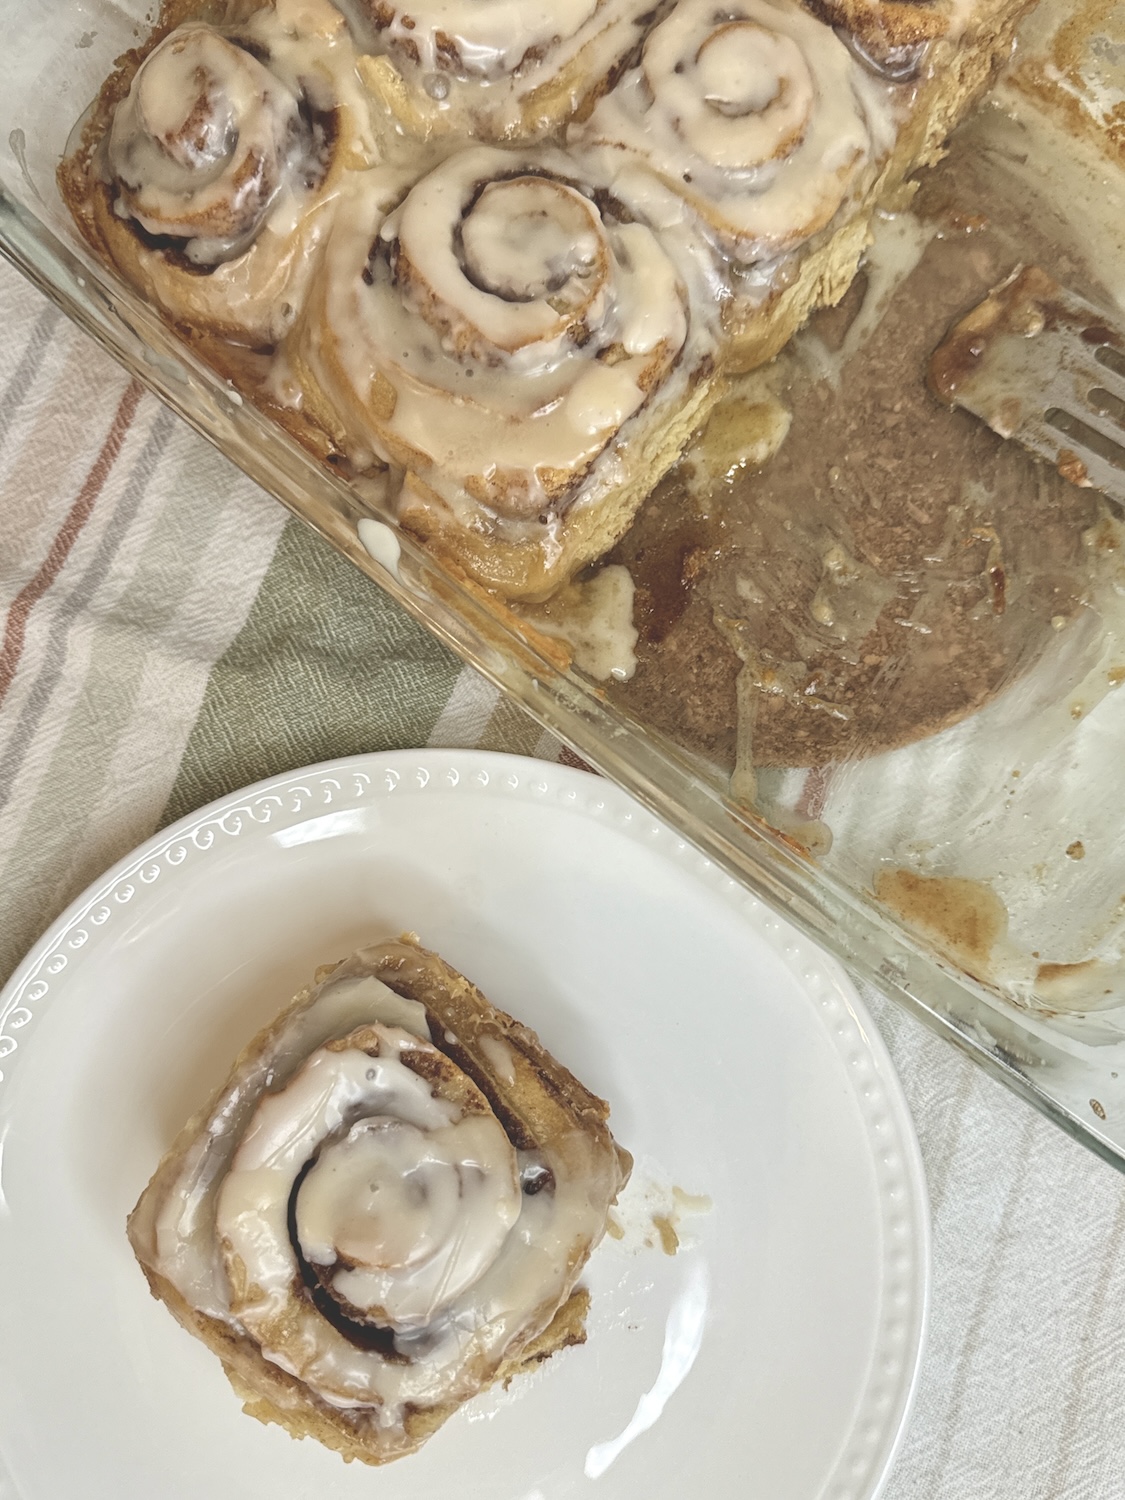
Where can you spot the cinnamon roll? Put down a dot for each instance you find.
(529, 349)
(214, 179)
(385, 1208)
(526, 336)
(491, 70)
(757, 114)
(783, 137)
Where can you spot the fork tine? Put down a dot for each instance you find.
(1112, 363)
(1105, 427)
(1026, 361)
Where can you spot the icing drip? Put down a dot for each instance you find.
(595, 618)
(756, 113)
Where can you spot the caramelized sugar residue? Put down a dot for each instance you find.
(669, 1239)
(1079, 84)
(895, 565)
(963, 918)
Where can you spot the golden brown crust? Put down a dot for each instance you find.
(197, 301)
(885, 24)
(544, 1096)
(271, 1395)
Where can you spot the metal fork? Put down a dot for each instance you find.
(1039, 364)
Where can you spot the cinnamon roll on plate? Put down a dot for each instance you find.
(529, 349)
(212, 186)
(385, 1208)
(493, 70)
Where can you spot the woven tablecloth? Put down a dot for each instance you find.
(170, 635)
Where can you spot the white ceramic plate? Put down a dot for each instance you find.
(773, 1356)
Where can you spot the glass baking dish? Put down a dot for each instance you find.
(1011, 817)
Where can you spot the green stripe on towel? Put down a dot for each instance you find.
(326, 665)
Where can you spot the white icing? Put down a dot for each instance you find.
(650, 310)
(182, 1235)
(742, 100)
(203, 142)
(480, 38)
(601, 398)
(756, 113)
(519, 330)
(417, 1196)
(494, 70)
(499, 1057)
(595, 618)
(466, 1270)
(380, 542)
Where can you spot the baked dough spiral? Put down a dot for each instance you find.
(386, 1206)
(517, 341)
(221, 162)
(494, 70)
(757, 114)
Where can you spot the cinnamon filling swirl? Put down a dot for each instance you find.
(494, 331)
(379, 1173)
(756, 113)
(525, 267)
(201, 146)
